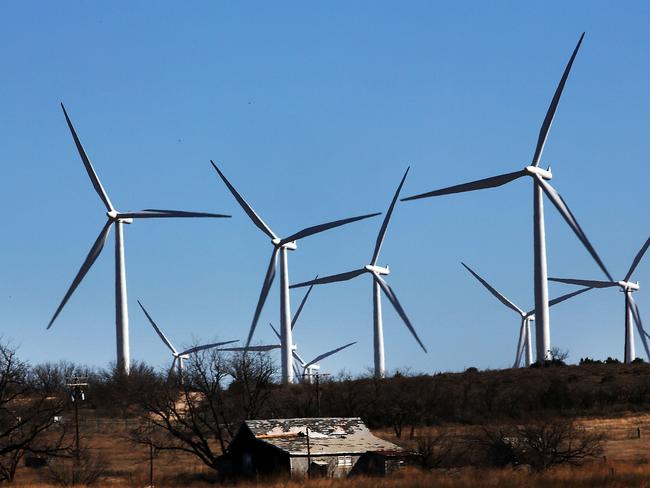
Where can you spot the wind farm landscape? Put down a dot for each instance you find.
(451, 196)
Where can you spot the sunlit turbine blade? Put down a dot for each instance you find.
(151, 213)
(637, 319)
(328, 354)
(316, 229)
(266, 286)
(398, 307)
(160, 333)
(384, 225)
(300, 307)
(563, 208)
(244, 204)
(194, 349)
(332, 278)
(637, 259)
(550, 114)
(502, 298)
(88, 165)
(92, 256)
(589, 283)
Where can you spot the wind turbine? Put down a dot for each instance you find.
(378, 285)
(281, 246)
(179, 356)
(631, 308)
(117, 219)
(524, 342)
(540, 179)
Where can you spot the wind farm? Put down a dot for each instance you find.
(302, 300)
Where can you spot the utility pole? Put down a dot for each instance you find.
(77, 394)
(318, 375)
(308, 455)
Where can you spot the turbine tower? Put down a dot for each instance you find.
(281, 246)
(524, 342)
(117, 219)
(632, 314)
(179, 357)
(540, 179)
(378, 285)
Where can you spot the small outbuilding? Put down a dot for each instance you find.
(320, 447)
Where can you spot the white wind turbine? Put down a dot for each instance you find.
(308, 367)
(631, 309)
(540, 179)
(117, 219)
(378, 285)
(179, 357)
(281, 246)
(524, 344)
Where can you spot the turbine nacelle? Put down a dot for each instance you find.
(291, 246)
(182, 356)
(628, 285)
(535, 170)
(377, 269)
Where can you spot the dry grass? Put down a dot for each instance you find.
(625, 465)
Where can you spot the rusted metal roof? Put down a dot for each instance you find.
(327, 436)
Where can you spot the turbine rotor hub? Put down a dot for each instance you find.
(377, 269)
(535, 170)
(291, 246)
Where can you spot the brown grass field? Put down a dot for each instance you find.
(626, 463)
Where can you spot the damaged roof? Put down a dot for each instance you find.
(327, 436)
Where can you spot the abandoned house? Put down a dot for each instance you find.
(320, 447)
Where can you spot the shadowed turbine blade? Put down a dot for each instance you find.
(563, 208)
(253, 348)
(548, 120)
(194, 349)
(89, 167)
(384, 225)
(244, 204)
(637, 259)
(562, 298)
(302, 304)
(327, 354)
(589, 283)
(160, 333)
(637, 319)
(297, 373)
(151, 213)
(332, 278)
(297, 357)
(520, 344)
(316, 229)
(94, 253)
(494, 292)
(266, 286)
(491, 182)
(398, 307)
(277, 334)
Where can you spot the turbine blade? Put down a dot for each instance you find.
(637, 259)
(327, 354)
(276, 331)
(300, 307)
(297, 357)
(562, 207)
(637, 319)
(316, 229)
(194, 349)
(151, 213)
(160, 333)
(494, 292)
(244, 204)
(520, 345)
(88, 165)
(92, 256)
(253, 348)
(562, 298)
(332, 278)
(550, 114)
(384, 225)
(296, 372)
(491, 182)
(588, 283)
(398, 307)
(266, 286)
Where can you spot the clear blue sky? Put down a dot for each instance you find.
(314, 110)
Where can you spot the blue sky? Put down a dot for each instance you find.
(314, 111)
